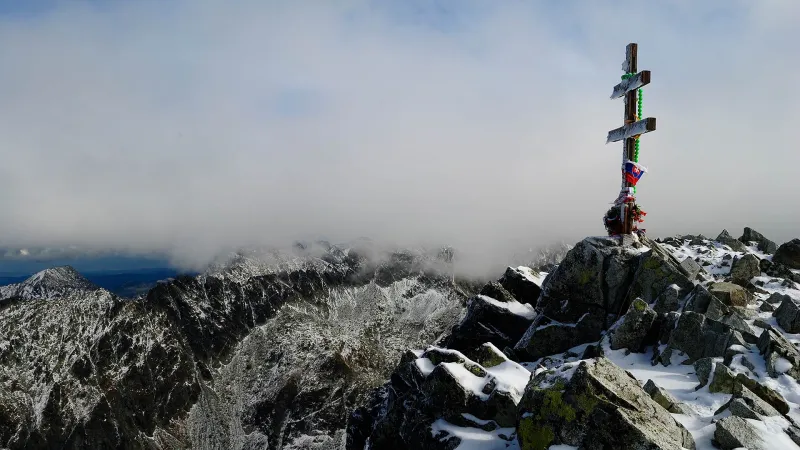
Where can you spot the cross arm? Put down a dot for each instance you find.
(633, 129)
(635, 82)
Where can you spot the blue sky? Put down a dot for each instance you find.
(192, 126)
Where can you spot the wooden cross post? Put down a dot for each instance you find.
(633, 126)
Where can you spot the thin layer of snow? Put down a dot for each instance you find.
(772, 286)
(702, 430)
(511, 377)
(508, 376)
(476, 438)
(566, 325)
(680, 380)
(770, 430)
(425, 366)
(563, 374)
(532, 275)
(474, 419)
(782, 365)
(467, 379)
(521, 309)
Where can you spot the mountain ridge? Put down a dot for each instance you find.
(303, 353)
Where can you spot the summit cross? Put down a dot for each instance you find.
(622, 217)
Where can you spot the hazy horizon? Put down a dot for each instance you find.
(187, 128)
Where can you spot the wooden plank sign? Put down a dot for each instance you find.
(631, 84)
(632, 129)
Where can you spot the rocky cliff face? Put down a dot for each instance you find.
(252, 354)
(678, 344)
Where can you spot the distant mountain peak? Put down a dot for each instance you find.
(60, 275)
(49, 283)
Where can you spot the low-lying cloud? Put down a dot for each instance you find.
(193, 126)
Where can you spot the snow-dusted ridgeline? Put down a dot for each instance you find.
(247, 353)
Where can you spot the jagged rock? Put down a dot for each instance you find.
(734, 433)
(448, 397)
(488, 356)
(748, 405)
(733, 351)
(668, 300)
(788, 254)
(672, 241)
(496, 291)
(788, 315)
(726, 239)
(665, 399)
(699, 299)
(730, 316)
(665, 325)
(600, 277)
(490, 320)
(764, 244)
(748, 364)
(599, 406)
(695, 240)
(794, 433)
(690, 268)
(777, 298)
(754, 288)
(656, 272)
(703, 368)
(765, 393)
(730, 294)
(766, 307)
(697, 337)
(634, 328)
(592, 351)
(439, 384)
(521, 283)
(548, 337)
(761, 323)
(778, 270)
(740, 408)
(594, 276)
(780, 355)
(722, 380)
(744, 269)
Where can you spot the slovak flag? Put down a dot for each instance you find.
(633, 172)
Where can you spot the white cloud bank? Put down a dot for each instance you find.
(190, 126)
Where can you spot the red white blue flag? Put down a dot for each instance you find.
(633, 172)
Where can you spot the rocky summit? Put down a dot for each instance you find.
(677, 343)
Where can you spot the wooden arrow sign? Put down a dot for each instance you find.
(635, 82)
(632, 129)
